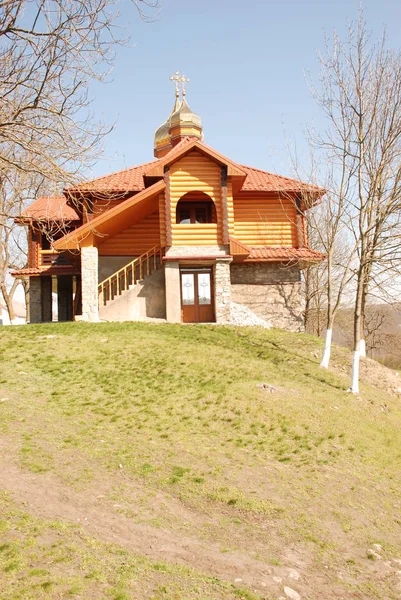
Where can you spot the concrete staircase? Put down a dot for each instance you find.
(136, 292)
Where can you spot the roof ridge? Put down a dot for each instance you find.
(182, 142)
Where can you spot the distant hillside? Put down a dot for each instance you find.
(143, 461)
(383, 325)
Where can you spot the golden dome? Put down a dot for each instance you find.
(184, 123)
(162, 135)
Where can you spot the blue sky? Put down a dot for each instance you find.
(246, 62)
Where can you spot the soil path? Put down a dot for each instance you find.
(46, 497)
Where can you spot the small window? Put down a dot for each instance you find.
(194, 212)
(46, 242)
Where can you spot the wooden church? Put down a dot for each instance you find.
(180, 238)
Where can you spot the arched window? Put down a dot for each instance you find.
(195, 207)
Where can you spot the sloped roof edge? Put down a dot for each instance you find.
(73, 239)
(183, 148)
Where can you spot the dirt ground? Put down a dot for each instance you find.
(45, 496)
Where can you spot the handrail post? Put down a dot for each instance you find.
(119, 281)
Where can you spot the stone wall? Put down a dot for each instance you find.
(35, 300)
(89, 281)
(222, 290)
(172, 292)
(272, 291)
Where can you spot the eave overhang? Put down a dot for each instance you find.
(233, 169)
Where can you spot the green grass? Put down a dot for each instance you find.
(173, 412)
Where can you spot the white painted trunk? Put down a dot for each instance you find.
(355, 373)
(362, 349)
(327, 349)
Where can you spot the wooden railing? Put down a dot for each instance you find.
(47, 257)
(130, 274)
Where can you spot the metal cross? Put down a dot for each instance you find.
(176, 78)
(183, 81)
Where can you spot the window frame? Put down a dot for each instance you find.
(191, 207)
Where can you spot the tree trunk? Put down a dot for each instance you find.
(327, 348)
(362, 342)
(8, 299)
(354, 388)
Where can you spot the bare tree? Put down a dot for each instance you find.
(327, 232)
(50, 52)
(17, 190)
(360, 94)
(327, 226)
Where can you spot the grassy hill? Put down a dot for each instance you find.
(154, 461)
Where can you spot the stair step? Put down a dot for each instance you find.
(137, 269)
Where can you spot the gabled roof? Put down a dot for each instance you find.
(133, 180)
(49, 208)
(185, 146)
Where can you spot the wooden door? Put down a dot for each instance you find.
(197, 305)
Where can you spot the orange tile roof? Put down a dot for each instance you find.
(128, 180)
(132, 180)
(51, 270)
(54, 208)
(263, 181)
(284, 254)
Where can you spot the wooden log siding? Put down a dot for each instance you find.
(134, 240)
(226, 233)
(167, 207)
(230, 207)
(195, 172)
(265, 221)
(33, 248)
(162, 220)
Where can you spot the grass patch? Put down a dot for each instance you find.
(174, 419)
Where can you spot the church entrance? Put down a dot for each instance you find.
(197, 301)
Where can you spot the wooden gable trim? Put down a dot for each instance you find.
(172, 156)
(237, 248)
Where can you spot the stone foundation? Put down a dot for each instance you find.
(272, 291)
(89, 281)
(35, 300)
(173, 292)
(222, 290)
